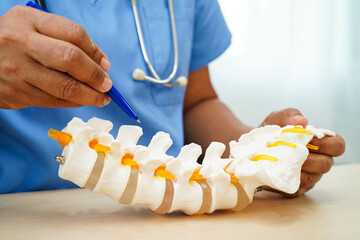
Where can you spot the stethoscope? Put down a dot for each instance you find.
(139, 74)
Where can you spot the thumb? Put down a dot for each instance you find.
(295, 118)
(289, 116)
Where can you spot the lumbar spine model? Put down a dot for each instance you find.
(134, 174)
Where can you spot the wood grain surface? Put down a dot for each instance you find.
(329, 211)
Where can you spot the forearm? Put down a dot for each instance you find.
(211, 120)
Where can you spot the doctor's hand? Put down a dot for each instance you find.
(319, 161)
(49, 61)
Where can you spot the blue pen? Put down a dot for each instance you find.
(113, 93)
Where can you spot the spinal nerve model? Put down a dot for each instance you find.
(134, 174)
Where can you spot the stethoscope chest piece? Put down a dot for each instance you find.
(139, 74)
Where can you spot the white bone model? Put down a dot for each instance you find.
(134, 174)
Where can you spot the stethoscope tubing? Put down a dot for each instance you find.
(156, 78)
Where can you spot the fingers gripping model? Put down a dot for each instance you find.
(134, 174)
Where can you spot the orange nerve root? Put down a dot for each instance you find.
(196, 175)
(277, 143)
(94, 144)
(63, 138)
(232, 175)
(128, 160)
(313, 147)
(161, 172)
(264, 157)
(303, 131)
(296, 130)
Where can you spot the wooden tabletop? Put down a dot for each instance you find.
(330, 211)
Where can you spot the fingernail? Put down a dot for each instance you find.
(107, 84)
(298, 118)
(104, 64)
(107, 100)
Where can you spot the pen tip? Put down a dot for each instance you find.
(138, 121)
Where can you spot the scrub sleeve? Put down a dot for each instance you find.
(211, 34)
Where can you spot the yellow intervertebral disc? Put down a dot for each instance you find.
(161, 172)
(277, 143)
(313, 147)
(94, 144)
(264, 157)
(128, 160)
(296, 130)
(63, 138)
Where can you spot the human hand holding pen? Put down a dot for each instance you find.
(49, 61)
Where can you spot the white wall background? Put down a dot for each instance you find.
(294, 53)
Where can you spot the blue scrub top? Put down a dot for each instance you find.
(27, 154)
